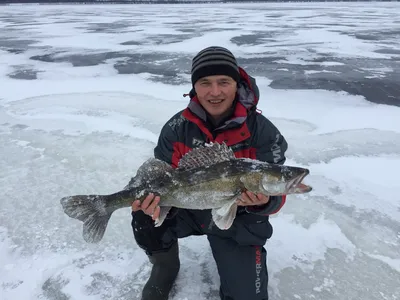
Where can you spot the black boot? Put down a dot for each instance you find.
(163, 274)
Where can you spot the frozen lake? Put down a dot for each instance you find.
(84, 91)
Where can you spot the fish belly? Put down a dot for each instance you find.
(202, 196)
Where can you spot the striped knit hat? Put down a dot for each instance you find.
(214, 61)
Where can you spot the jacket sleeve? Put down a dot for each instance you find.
(270, 147)
(166, 150)
(169, 148)
(165, 145)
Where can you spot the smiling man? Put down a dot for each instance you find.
(222, 108)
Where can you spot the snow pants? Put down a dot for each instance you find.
(239, 252)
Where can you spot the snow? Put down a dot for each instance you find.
(102, 82)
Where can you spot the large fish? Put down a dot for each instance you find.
(209, 177)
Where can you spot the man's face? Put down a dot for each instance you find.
(216, 93)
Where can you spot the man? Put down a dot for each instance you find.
(222, 109)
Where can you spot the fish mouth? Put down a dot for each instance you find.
(295, 185)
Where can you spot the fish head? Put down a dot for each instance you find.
(283, 180)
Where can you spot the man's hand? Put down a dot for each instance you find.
(149, 206)
(248, 199)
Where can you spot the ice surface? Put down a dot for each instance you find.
(85, 90)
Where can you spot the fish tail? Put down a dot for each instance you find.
(91, 210)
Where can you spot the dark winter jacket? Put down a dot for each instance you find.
(248, 133)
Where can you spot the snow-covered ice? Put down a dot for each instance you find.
(84, 91)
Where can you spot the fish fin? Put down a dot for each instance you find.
(224, 216)
(205, 156)
(94, 228)
(91, 210)
(164, 210)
